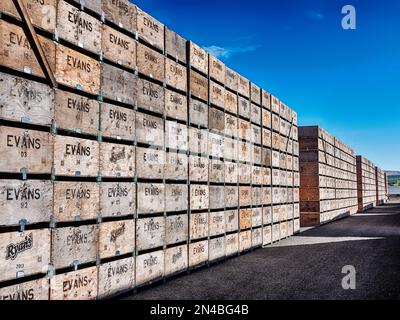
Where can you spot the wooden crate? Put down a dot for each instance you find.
(244, 87)
(266, 118)
(115, 277)
(256, 156)
(117, 199)
(231, 125)
(275, 232)
(231, 102)
(176, 166)
(78, 28)
(231, 196)
(176, 260)
(149, 267)
(198, 168)
(74, 156)
(23, 100)
(256, 176)
(216, 223)
(245, 218)
(256, 237)
(76, 200)
(176, 197)
(118, 85)
(175, 45)
(231, 79)
(75, 285)
(117, 122)
(266, 157)
(150, 163)
(244, 151)
(257, 216)
(275, 104)
(175, 105)
(256, 134)
(255, 94)
(150, 233)
(151, 96)
(244, 129)
(215, 145)
(245, 240)
(176, 229)
(198, 58)
(21, 148)
(230, 149)
(176, 135)
(198, 225)
(150, 30)
(217, 94)
(24, 254)
(217, 197)
(267, 235)
(267, 215)
(255, 114)
(244, 107)
(231, 220)
(198, 253)
(175, 75)
(149, 129)
(283, 230)
(266, 176)
(198, 85)
(266, 195)
(217, 69)
(116, 238)
(150, 62)
(117, 160)
(216, 120)
(122, 13)
(150, 198)
(216, 248)
(231, 244)
(244, 173)
(217, 171)
(76, 70)
(76, 113)
(266, 137)
(74, 244)
(30, 200)
(31, 290)
(118, 47)
(231, 172)
(42, 13)
(16, 52)
(198, 113)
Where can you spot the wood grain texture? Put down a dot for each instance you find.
(231, 172)
(231, 220)
(117, 160)
(175, 45)
(217, 94)
(176, 166)
(117, 122)
(217, 69)
(176, 136)
(198, 57)
(231, 102)
(256, 237)
(149, 129)
(116, 238)
(245, 240)
(176, 229)
(216, 248)
(150, 233)
(245, 218)
(198, 168)
(121, 12)
(198, 225)
(30, 290)
(231, 244)
(149, 266)
(231, 79)
(176, 197)
(198, 113)
(117, 199)
(150, 62)
(176, 260)
(198, 141)
(175, 105)
(198, 85)
(216, 223)
(151, 198)
(150, 29)
(151, 96)
(150, 163)
(198, 253)
(217, 171)
(175, 75)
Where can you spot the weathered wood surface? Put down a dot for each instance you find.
(198, 253)
(199, 197)
(151, 198)
(30, 200)
(176, 197)
(216, 223)
(150, 96)
(121, 12)
(198, 168)
(116, 238)
(175, 45)
(150, 62)
(176, 229)
(175, 105)
(216, 248)
(198, 85)
(176, 166)
(150, 233)
(150, 30)
(30, 290)
(149, 129)
(149, 267)
(175, 75)
(150, 163)
(117, 199)
(117, 160)
(117, 122)
(198, 225)
(231, 244)
(176, 260)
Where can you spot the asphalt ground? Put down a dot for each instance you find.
(306, 266)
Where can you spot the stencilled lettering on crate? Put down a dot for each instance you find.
(244, 87)
(198, 85)
(245, 240)
(118, 47)
(176, 260)
(74, 244)
(151, 198)
(23, 100)
(230, 149)
(217, 171)
(231, 79)
(176, 136)
(76, 113)
(231, 102)
(175, 105)
(267, 235)
(74, 156)
(176, 166)
(198, 57)
(150, 233)
(217, 197)
(30, 290)
(231, 196)
(149, 267)
(150, 163)
(217, 94)
(151, 96)
(231, 125)
(23, 148)
(198, 225)
(198, 141)
(231, 220)
(198, 253)
(216, 248)
(150, 30)
(176, 197)
(24, 253)
(216, 120)
(215, 145)
(199, 197)
(198, 168)
(149, 129)
(116, 276)
(267, 215)
(257, 217)
(266, 99)
(150, 63)
(120, 12)
(117, 199)
(116, 238)
(245, 218)
(30, 200)
(76, 200)
(216, 223)
(231, 244)
(176, 229)
(175, 75)
(117, 122)
(231, 172)
(75, 285)
(198, 113)
(244, 173)
(217, 69)
(117, 160)
(78, 28)
(256, 237)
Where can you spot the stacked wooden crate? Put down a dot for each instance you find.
(366, 184)
(151, 157)
(328, 186)
(381, 187)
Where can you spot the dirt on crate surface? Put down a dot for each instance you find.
(306, 266)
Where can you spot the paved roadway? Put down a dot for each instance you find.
(307, 266)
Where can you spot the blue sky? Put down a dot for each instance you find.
(347, 81)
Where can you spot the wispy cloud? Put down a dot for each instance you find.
(226, 53)
(315, 15)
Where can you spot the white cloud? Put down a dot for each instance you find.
(315, 15)
(226, 53)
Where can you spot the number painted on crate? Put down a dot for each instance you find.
(24, 205)
(24, 154)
